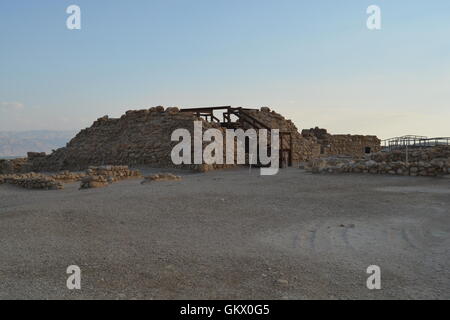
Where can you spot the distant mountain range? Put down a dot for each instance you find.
(17, 144)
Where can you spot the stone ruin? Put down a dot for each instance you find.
(140, 137)
(430, 162)
(94, 177)
(143, 137)
(302, 149)
(31, 181)
(161, 177)
(97, 177)
(343, 144)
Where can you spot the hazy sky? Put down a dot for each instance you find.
(313, 61)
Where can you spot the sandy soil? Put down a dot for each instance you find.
(230, 234)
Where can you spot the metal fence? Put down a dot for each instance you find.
(412, 141)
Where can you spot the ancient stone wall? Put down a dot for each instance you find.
(141, 137)
(31, 181)
(340, 144)
(97, 177)
(354, 145)
(93, 177)
(303, 149)
(422, 162)
(20, 165)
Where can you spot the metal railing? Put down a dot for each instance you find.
(412, 141)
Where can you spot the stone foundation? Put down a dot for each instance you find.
(31, 181)
(97, 177)
(426, 162)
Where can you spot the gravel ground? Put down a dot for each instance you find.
(230, 234)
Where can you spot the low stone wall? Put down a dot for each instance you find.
(161, 177)
(102, 176)
(67, 176)
(31, 181)
(93, 178)
(425, 162)
(115, 172)
(413, 155)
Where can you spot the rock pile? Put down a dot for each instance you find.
(161, 177)
(424, 162)
(97, 177)
(31, 181)
(94, 182)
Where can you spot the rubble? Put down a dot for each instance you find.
(161, 177)
(102, 176)
(94, 182)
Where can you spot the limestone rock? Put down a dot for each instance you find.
(161, 177)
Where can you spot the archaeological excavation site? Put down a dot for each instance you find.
(143, 138)
(225, 155)
(117, 204)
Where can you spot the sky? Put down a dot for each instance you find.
(315, 62)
